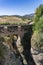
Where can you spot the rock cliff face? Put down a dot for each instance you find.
(26, 43)
(18, 52)
(9, 57)
(37, 56)
(37, 47)
(21, 51)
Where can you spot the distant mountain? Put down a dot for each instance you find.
(30, 16)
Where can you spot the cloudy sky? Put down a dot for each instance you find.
(18, 7)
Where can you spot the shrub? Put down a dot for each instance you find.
(37, 40)
(1, 52)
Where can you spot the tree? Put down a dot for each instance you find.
(38, 18)
(38, 28)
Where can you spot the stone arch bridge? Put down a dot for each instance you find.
(8, 30)
(23, 43)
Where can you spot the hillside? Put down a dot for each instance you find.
(15, 19)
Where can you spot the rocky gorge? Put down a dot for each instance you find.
(20, 51)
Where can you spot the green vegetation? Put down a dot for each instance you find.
(37, 40)
(1, 53)
(38, 18)
(2, 39)
(38, 27)
(6, 23)
(1, 48)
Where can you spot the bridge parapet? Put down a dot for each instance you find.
(14, 29)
